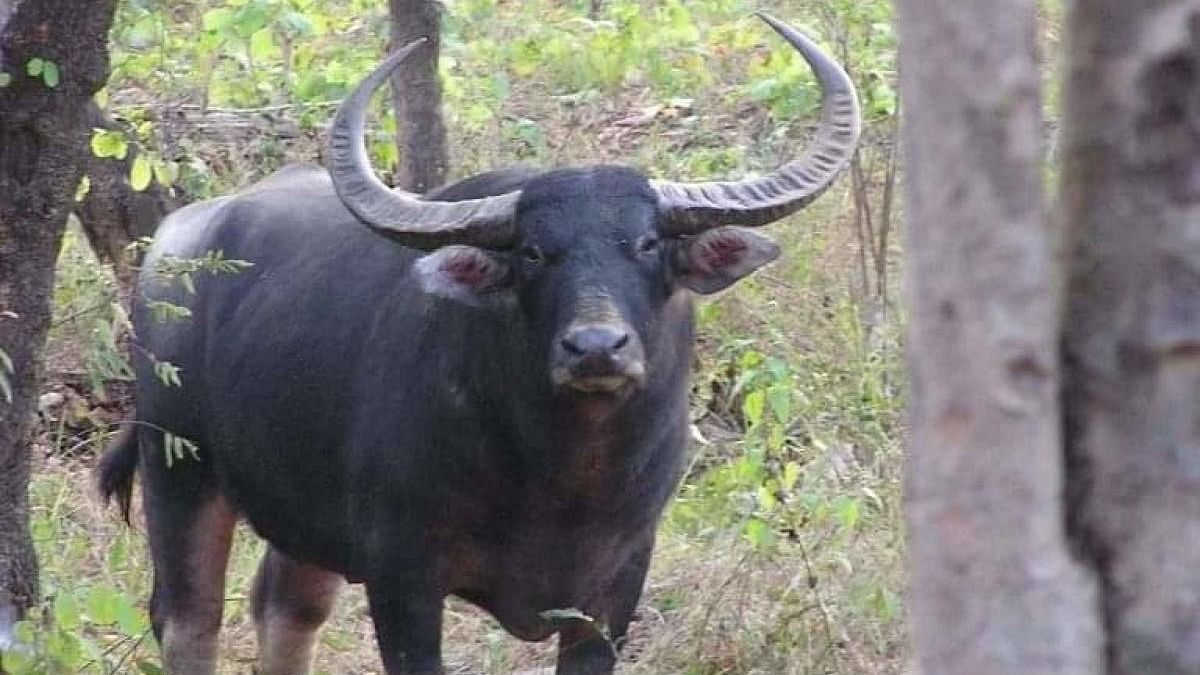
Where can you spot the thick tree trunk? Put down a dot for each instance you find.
(44, 135)
(1131, 204)
(417, 96)
(113, 214)
(994, 587)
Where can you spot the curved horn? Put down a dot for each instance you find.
(690, 208)
(400, 215)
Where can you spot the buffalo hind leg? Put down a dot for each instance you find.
(190, 544)
(584, 650)
(290, 602)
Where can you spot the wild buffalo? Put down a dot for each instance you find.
(491, 405)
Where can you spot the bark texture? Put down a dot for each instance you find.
(44, 136)
(1131, 205)
(417, 96)
(994, 588)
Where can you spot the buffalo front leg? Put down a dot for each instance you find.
(408, 625)
(189, 540)
(583, 648)
(290, 601)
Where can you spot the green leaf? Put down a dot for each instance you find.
(107, 143)
(163, 311)
(141, 174)
(262, 44)
(66, 612)
(50, 74)
(791, 473)
(67, 649)
(5, 79)
(250, 19)
(34, 67)
(753, 406)
(848, 511)
(103, 604)
(748, 469)
(766, 498)
(6, 368)
(780, 398)
(84, 187)
(759, 534)
(167, 373)
(296, 23)
(129, 619)
(166, 173)
(216, 19)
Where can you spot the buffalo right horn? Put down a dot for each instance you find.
(400, 215)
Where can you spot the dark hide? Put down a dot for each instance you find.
(407, 425)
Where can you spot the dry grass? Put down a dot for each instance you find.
(712, 604)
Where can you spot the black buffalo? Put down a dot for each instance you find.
(492, 405)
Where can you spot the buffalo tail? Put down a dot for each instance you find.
(118, 468)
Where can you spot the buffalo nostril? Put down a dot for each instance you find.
(594, 341)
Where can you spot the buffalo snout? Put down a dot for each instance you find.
(598, 358)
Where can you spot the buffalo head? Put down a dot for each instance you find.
(595, 259)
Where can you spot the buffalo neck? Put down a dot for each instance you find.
(588, 444)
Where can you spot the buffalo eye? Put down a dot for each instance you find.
(532, 254)
(648, 244)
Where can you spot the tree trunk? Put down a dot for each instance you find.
(1131, 205)
(417, 96)
(113, 214)
(44, 136)
(994, 588)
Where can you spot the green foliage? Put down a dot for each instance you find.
(45, 69)
(176, 448)
(86, 308)
(107, 143)
(802, 421)
(247, 52)
(6, 371)
(868, 45)
(92, 627)
(184, 270)
(106, 361)
(303, 55)
(147, 166)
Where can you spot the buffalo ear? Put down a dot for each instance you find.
(712, 261)
(466, 274)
